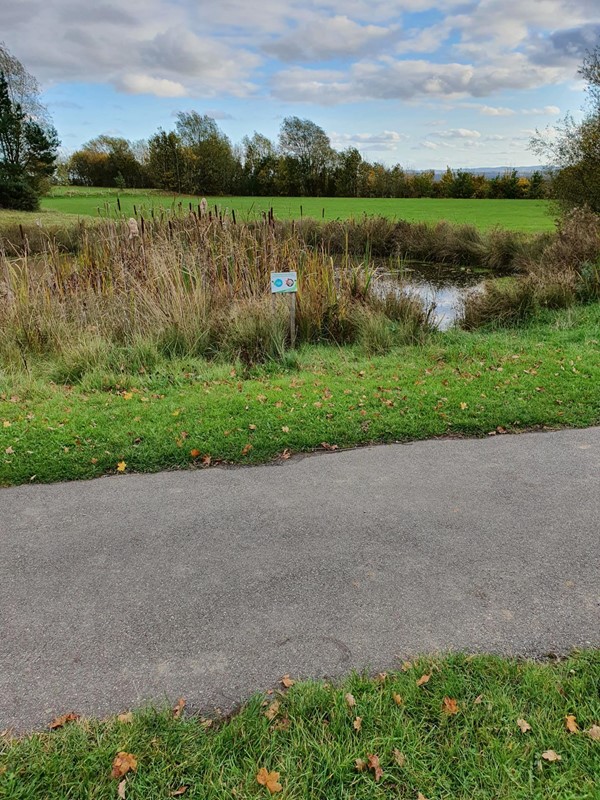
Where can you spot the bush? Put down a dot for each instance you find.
(498, 304)
(17, 193)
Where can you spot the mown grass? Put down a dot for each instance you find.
(478, 753)
(520, 215)
(153, 414)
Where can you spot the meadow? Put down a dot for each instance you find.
(519, 215)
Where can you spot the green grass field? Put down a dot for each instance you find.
(57, 424)
(455, 728)
(523, 215)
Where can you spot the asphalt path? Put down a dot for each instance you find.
(213, 584)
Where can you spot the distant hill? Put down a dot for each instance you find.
(491, 172)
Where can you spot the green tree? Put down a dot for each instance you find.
(28, 145)
(260, 161)
(209, 163)
(106, 161)
(573, 148)
(305, 143)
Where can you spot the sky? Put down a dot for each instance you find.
(423, 83)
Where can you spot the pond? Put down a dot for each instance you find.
(442, 286)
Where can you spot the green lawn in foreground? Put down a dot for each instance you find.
(545, 374)
(478, 753)
(523, 215)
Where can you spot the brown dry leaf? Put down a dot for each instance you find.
(282, 724)
(252, 427)
(62, 720)
(126, 718)
(246, 449)
(206, 460)
(287, 681)
(524, 725)
(571, 723)
(272, 710)
(349, 698)
(360, 764)
(423, 680)
(375, 766)
(269, 779)
(287, 453)
(327, 446)
(121, 789)
(123, 763)
(406, 666)
(180, 791)
(398, 699)
(357, 724)
(194, 453)
(121, 466)
(551, 755)
(449, 706)
(178, 708)
(399, 757)
(381, 677)
(478, 699)
(594, 733)
(421, 796)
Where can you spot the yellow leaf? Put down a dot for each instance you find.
(449, 706)
(349, 698)
(121, 466)
(269, 779)
(123, 763)
(421, 796)
(9, 451)
(272, 710)
(523, 725)
(360, 764)
(252, 427)
(551, 755)
(464, 406)
(126, 718)
(397, 699)
(399, 757)
(285, 429)
(6, 424)
(571, 723)
(127, 395)
(194, 453)
(423, 680)
(357, 724)
(246, 449)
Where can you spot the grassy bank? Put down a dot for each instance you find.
(520, 215)
(476, 728)
(138, 409)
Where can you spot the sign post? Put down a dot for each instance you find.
(287, 283)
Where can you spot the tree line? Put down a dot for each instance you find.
(198, 158)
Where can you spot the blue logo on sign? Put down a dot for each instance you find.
(278, 283)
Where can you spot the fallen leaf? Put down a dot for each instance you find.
(464, 406)
(121, 466)
(269, 779)
(62, 720)
(397, 699)
(423, 680)
(282, 724)
(381, 677)
(478, 699)
(246, 449)
(121, 789)
(9, 451)
(178, 708)
(194, 453)
(285, 429)
(524, 725)
(180, 791)
(399, 757)
(286, 454)
(327, 446)
(551, 755)
(357, 724)
(272, 710)
(123, 763)
(127, 395)
(406, 666)
(287, 681)
(349, 698)
(252, 427)
(360, 764)
(594, 733)
(449, 706)
(6, 424)
(421, 796)
(126, 718)
(571, 723)
(375, 766)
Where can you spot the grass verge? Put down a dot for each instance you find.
(189, 412)
(457, 736)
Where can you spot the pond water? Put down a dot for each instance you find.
(440, 285)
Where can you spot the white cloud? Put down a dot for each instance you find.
(137, 83)
(386, 140)
(545, 111)
(457, 133)
(496, 111)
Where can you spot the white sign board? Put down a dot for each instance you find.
(284, 282)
